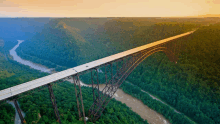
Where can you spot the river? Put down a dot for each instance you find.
(136, 105)
(26, 62)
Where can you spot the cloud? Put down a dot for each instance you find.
(8, 4)
(107, 8)
(41, 3)
(213, 1)
(216, 1)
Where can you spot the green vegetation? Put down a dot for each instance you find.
(180, 85)
(39, 104)
(192, 85)
(11, 74)
(82, 40)
(7, 114)
(166, 111)
(38, 107)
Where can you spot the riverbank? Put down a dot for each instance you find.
(136, 105)
(17, 58)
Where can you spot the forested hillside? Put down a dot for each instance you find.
(191, 86)
(58, 36)
(183, 85)
(38, 107)
(81, 40)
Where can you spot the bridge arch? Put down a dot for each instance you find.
(112, 85)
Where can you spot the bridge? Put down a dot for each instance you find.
(116, 69)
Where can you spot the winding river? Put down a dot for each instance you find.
(136, 105)
(26, 62)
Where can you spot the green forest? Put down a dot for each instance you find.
(37, 106)
(192, 86)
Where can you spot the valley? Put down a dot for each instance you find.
(185, 92)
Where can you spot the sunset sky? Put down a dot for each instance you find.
(107, 8)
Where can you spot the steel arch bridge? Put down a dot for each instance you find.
(124, 63)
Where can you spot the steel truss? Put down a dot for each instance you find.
(124, 67)
(19, 111)
(53, 100)
(79, 96)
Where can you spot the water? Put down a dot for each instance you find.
(139, 107)
(136, 105)
(26, 62)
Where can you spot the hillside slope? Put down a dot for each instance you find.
(191, 86)
(71, 42)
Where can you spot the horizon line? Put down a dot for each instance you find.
(199, 16)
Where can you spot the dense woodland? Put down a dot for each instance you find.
(192, 86)
(37, 106)
(79, 38)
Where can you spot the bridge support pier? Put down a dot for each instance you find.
(19, 111)
(112, 84)
(53, 100)
(95, 89)
(79, 95)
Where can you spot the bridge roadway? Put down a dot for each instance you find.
(18, 89)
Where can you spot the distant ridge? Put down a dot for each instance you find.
(209, 15)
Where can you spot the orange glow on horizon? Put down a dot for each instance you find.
(108, 8)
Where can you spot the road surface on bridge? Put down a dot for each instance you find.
(18, 89)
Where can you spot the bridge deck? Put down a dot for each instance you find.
(15, 90)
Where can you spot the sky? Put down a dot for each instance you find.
(108, 8)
